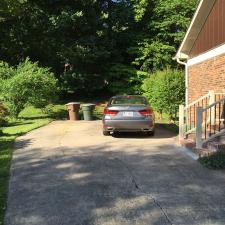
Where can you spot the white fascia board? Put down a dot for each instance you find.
(220, 50)
(181, 56)
(179, 52)
(203, 10)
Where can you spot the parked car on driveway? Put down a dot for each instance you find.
(128, 113)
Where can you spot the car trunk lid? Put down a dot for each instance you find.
(127, 112)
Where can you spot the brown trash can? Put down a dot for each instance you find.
(73, 109)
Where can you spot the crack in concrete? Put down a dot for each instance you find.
(142, 192)
(60, 141)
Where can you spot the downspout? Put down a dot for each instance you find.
(186, 79)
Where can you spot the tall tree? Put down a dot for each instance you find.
(94, 45)
(163, 23)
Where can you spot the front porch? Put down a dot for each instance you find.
(202, 121)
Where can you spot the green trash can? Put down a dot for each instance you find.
(88, 111)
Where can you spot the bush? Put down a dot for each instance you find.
(124, 79)
(6, 71)
(213, 161)
(165, 91)
(27, 84)
(3, 114)
(56, 111)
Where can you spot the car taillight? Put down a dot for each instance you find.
(108, 112)
(146, 112)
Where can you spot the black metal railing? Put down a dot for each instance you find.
(213, 119)
(190, 115)
(212, 110)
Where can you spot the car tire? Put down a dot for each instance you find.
(106, 133)
(150, 133)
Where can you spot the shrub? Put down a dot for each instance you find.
(56, 111)
(6, 71)
(213, 161)
(27, 84)
(123, 79)
(3, 114)
(165, 91)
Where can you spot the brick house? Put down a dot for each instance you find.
(202, 52)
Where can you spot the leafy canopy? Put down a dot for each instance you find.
(165, 91)
(27, 84)
(84, 41)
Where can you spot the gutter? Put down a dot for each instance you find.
(186, 78)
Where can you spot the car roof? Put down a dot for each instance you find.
(120, 96)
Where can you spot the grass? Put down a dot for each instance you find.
(30, 119)
(214, 160)
(166, 123)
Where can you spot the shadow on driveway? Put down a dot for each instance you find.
(115, 188)
(113, 184)
(160, 133)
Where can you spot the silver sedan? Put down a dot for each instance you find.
(128, 113)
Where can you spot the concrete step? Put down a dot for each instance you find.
(191, 136)
(206, 150)
(215, 146)
(187, 143)
(222, 139)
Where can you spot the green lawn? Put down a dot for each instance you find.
(29, 119)
(166, 123)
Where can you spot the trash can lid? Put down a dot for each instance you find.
(89, 104)
(73, 103)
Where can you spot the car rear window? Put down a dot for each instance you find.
(128, 100)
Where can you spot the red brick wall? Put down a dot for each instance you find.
(205, 76)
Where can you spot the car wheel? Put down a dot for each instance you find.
(150, 133)
(106, 133)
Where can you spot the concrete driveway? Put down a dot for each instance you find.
(67, 173)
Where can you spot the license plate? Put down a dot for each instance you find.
(128, 114)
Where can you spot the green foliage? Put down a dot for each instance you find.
(3, 114)
(6, 71)
(28, 84)
(34, 119)
(170, 20)
(56, 111)
(30, 118)
(9, 7)
(124, 79)
(152, 55)
(165, 91)
(92, 37)
(164, 23)
(213, 161)
(82, 72)
(140, 8)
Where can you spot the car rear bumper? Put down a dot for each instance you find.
(128, 125)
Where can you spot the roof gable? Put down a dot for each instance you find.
(199, 19)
